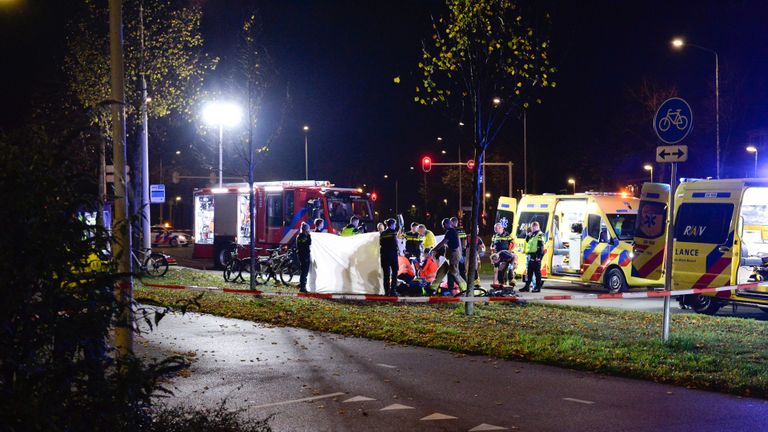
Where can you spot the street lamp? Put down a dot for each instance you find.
(221, 114)
(572, 181)
(649, 167)
(679, 44)
(753, 149)
(496, 101)
(306, 152)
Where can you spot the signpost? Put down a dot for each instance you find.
(673, 122)
(157, 193)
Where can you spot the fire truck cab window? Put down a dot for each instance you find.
(343, 208)
(274, 210)
(289, 206)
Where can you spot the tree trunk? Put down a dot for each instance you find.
(473, 228)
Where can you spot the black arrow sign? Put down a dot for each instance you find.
(679, 153)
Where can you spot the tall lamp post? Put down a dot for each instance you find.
(679, 44)
(649, 167)
(572, 181)
(753, 149)
(306, 152)
(221, 114)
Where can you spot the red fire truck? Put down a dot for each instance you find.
(221, 214)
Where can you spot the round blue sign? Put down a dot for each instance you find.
(673, 120)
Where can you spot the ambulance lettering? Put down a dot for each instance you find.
(694, 231)
(687, 252)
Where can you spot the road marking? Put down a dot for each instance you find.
(581, 401)
(487, 427)
(309, 399)
(359, 399)
(438, 416)
(386, 366)
(396, 407)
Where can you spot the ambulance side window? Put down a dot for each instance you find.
(593, 226)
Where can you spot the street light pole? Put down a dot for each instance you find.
(306, 152)
(572, 181)
(649, 167)
(753, 149)
(679, 43)
(221, 158)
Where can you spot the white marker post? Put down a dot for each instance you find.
(669, 253)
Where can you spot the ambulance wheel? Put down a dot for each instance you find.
(704, 304)
(615, 281)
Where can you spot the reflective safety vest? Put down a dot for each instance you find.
(413, 243)
(404, 266)
(502, 241)
(532, 245)
(348, 231)
(429, 269)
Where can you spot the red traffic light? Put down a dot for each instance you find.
(426, 164)
(374, 196)
(471, 164)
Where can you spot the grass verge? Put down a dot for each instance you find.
(714, 353)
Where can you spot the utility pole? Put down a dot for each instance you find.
(146, 243)
(121, 229)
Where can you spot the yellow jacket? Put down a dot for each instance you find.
(429, 240)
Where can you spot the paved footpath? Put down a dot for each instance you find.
(315, 381)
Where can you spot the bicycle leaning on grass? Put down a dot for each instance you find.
(154, 264)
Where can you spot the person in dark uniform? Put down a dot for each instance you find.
(504, 260)
(464, 246)
(389, 253)
(303, 241)
(319, 225)
(501, 239)
(534, 248)
(414, 243)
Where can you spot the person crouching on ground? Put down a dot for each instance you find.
(503, 261)
(534, 249)
(389, 253)
(303, 241)
(453, 255)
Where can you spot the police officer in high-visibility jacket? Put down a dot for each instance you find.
(501, 239)
(389, 254)
(351, 229)
(534, 248)
(464, 249)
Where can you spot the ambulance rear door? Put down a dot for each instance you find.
(533, 208)
(650, 231)
(505, 213)
(705, 223)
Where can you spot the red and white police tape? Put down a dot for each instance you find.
(443, 299)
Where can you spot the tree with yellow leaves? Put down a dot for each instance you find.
(486, 62)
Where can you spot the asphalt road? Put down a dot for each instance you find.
(322, 382)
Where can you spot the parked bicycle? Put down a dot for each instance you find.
(234, 266)
(154, 264)
(276, 266)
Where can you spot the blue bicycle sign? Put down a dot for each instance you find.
(673, 120)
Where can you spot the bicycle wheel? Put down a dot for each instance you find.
(478, 292)
(244, 270)
(287, 271)
(260, 272)
(156, 265)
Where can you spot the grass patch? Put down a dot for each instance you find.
(215, 278)
(714, 353)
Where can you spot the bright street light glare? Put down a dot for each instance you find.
(443, 151)
(496, 101)
(386, 175)
(647, 167)
(571, 181)
(439, 138)
(752, 149)
(222, 114)
(487, 194)
(678, 42)
(306, 128)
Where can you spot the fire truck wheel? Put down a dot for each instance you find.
(615, 281)
(704, 304)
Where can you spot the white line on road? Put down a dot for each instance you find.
(396, 407)
(438, 416)
(581, 401)
(358, 399)
(487, 427)
(386, 366)
(309, 399)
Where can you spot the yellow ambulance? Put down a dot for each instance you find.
(588, 238)
(720, 239)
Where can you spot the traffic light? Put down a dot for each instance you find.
(471, 164)
(374, 196)
(426, 164)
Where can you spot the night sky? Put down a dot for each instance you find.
(340, 58)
